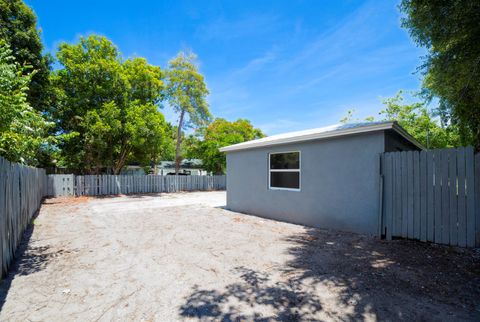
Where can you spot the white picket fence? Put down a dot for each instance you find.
(432, 196)
(22, 189)
(100, 185)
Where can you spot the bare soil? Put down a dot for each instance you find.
(170, 257)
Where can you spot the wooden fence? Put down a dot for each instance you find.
(432, 196)
(97, 185)
(21, 191)
(61, 185)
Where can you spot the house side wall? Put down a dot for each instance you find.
(394, 142)
(339, 183)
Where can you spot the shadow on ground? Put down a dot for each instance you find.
(348, 277)
(286, 299)
(28, 260)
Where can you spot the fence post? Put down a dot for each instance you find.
(381, 212)
(477, 200)
(470, 176)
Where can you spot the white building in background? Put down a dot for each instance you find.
(187, 167)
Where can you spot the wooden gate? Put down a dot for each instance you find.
(61, 185)
(432, 196)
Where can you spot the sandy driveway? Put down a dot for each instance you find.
(182, 257)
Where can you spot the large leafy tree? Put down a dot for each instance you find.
(413, 115)
(143, 131)
(218, 134)
(450, 30)
(419, 122)
(23, 131)
(186, 92)
(18, 28)
(106, 108)
(151, 135)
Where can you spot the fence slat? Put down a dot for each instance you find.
(477, 200)
(398, 194)
(470, 188)
(410, 194)
(445, 198)
(423, 195)
(438, 196)
(461, 213)
(388, 173)
(404, 191)
(430, 196)
(452, 172)
(416, 195)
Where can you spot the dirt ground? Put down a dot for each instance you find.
(181, 256)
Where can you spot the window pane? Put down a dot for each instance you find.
(285, 160)
(285, 180)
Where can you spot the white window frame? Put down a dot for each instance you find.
(285, 170)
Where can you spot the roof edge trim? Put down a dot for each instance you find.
(308, 137)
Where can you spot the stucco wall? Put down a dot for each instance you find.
(339, 183)
(394, 142)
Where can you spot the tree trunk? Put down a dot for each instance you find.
(153, 164)
(179, 141)
(118, 166)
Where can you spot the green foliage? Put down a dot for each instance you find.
(18, 29)
(420, 123)
(416, 119)
(450, 30)
(22, 129)
(101, 129)
(186, 93)
(349, 117)
(169, 147)
(218, 134)
(107, 108)
(149, 133)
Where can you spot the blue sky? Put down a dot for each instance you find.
(284, 65)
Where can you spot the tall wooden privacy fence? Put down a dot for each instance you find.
(97, 185)
(432, 196)
(21, 191)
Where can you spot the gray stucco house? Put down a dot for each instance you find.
(326, 177)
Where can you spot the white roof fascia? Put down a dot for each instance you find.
(298, 137)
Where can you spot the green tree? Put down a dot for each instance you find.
(106, 108)
(109, 143)
(349, 118)
(169, 148)
(102, 129)
(218, 134)
(450, 30)
(23, 131)
(18, 28)
(416, 119)
(150, 135)
(186, 93)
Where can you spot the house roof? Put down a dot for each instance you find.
(185, 163)
(335, 130)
